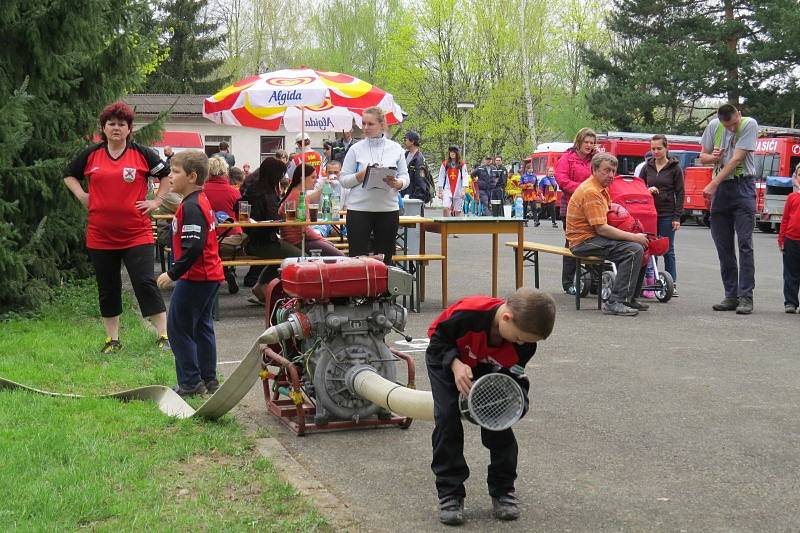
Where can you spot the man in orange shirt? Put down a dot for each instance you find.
(589, 234)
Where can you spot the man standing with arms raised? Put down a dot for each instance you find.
(729, 142)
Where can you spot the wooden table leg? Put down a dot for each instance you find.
(444, 265)
(520, 243)
(495, 251)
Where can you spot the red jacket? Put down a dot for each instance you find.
(194, 241)
(571, 170)
(790, 221)
(222, 197)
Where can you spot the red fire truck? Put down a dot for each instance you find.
(628, 148)
(777, 155)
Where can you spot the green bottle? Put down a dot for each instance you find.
(326, 201)
(301, 207)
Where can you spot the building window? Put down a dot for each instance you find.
(270, 144)
(212, 143)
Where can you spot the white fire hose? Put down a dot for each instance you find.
(227, 396)
(495, 400)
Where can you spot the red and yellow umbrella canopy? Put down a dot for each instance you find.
(326, 100)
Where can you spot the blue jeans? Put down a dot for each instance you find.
(791, 272)
(191, 331)
(665, 230)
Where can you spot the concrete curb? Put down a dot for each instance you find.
(290, 470)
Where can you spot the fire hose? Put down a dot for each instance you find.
(495, 401)
(227, 396)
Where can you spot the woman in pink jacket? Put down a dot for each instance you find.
(574, 167)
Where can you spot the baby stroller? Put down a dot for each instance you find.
(631, 194)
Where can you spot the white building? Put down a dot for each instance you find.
(246, 144)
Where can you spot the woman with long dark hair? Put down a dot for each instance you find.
(294, 234)
(664, 178)
(264, 198)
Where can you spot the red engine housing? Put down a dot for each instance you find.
(326, 278)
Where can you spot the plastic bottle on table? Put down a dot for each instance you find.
(301, 207)
(326, 201)
(336, 202)
(518, 206)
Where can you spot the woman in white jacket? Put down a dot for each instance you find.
(453, 180)
(373, 211)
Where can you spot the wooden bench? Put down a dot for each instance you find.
(531, 254)
(414, 268)
(247, 260)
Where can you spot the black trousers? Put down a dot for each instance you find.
(448, 464)
(139, 262)
(548, 211)
(791, 272)
(568, 264)
(373, 232)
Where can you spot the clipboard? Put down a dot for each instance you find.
(375, 175)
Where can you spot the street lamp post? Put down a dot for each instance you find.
(466, 106)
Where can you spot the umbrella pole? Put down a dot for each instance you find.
(303, 170)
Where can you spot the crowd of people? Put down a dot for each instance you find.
(370, 177)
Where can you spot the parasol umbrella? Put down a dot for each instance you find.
(299, 99)
(284, 97)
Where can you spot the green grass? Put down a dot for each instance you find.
(104, 465)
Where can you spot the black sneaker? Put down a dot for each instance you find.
(639, 306)
(111, 346)
(230, 279)
(200, 388)
(212, 385)
(451, 511)
(728, 304)
(745, 306)
(506, 507)
(537, 224)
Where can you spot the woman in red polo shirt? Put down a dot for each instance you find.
(119, 228)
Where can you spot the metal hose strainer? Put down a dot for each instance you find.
(495, 402)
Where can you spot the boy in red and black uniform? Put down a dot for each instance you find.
(198, 272)
(476, 336)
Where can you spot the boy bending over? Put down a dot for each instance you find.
(475, 336)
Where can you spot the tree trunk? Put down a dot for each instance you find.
(526, 78)
(731, 41)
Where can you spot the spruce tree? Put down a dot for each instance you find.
(189, 40)
(62, 62)
(672, 58)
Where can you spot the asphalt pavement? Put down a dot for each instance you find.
(680, 419)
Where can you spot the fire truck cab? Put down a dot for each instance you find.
(630, 148)
(777, 155)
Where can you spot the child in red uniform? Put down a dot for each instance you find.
(789, 243)
(475, 336)
(197, 271)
